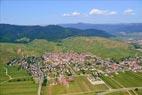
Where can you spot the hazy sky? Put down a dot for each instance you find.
(43, 12)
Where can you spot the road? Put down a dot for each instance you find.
(41, 79)
(6, 72)
(39, 88)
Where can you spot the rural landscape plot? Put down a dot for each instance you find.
(70, 47)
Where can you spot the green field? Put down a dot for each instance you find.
(20, 84)
(129, 79)
(3, 76)
(118, 93)
(124, 80)
(139, 92)
(79, 85)
(15, 72)
(18, 88)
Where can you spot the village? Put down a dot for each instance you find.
(61, 68)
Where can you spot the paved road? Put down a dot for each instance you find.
(39, 88)
(41, 79)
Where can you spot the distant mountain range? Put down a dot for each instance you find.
(19, 33)
(110, 28)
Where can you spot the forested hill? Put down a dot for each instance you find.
(17, 33)
(110, 28)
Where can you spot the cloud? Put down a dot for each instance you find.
(95, 11)
(65, 14)
(112, 13)
(72, 14)
(129, 12)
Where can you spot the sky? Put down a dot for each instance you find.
(45, 12)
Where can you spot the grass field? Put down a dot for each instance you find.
(118, 93)
(18, 88)
(15, 72)
(3, 76)
(20, 84)
(127, 79)
(124, 80)
(139, 92)
(80, 84)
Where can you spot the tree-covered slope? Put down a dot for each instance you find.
(110, 28)
(15, 33)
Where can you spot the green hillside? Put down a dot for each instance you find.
(25, 34)
(36, 47)
(102, 47)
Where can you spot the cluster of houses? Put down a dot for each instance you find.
(131, 41)
(129, 64)
(61, 68)
(61, 58)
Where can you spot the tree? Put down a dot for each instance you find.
(44, 81)
(136, 89)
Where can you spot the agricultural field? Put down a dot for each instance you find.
(139, 92)
(18, 88)
(16, 82)
(129, 79)
(16, 72)
(124, 80)
(119, 93)
(80, 86)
